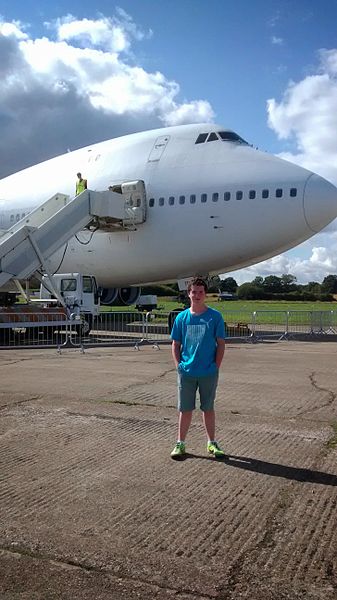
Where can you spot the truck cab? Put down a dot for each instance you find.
(79, 293)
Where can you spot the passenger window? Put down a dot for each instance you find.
(17, 218)
(192, 198)
(279, 193)
(201, 138)
(252, 194)
(23, 216)
(12, 219)
(203, 197)
(215, 197)
(293, 192)
(151, 202)
(171, 200)
(265, 193)
(181, 199)
(161, 201)
(212, 137)
(227, 196)
(239, 195)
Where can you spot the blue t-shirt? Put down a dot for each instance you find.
(198, 337)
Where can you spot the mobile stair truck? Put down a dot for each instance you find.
(26, 248)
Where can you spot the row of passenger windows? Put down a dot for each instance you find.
(215, 197)
(226, 196)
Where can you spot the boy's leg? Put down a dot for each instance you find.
(184, 423)
(207, 390)
(187, 387)
(208, 417)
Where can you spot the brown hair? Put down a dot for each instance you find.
(197, 281)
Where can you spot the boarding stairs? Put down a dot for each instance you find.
(28, 245)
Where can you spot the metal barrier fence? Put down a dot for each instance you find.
(135, 329)
(288, 324)
(30, 328)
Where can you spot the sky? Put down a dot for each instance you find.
(75, 73)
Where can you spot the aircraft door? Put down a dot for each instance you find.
(158, 148)
(135, 202)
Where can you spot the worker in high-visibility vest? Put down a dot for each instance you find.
(81, 184)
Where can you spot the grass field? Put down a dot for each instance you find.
(268, 313)
(167, 304)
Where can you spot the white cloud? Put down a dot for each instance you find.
(199, 110)
(278, 41)
(329, 61)
(307, 115)
(104, 32)
(83, 71)
(14, 29)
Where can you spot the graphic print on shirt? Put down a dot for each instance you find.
(195, 334)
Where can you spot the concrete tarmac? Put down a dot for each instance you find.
(93, 507)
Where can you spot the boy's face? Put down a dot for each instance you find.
(197, 294)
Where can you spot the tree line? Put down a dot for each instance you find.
(278, 288)
(263, 288)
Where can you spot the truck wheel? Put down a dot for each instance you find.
(84, 327)
(87, 324)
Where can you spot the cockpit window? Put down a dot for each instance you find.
(201, 138)
(212, 137)
(231, 136)
(226, 136)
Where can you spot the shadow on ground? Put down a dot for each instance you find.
(272, 469)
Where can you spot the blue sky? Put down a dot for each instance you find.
(265, 68)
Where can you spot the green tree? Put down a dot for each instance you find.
(228, 285)
(329, 284)
(258, 281)
(214, 283)
(272, 284)
(313, 287)
(249, 291)
(288, 283)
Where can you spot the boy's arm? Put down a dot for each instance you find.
(176, 352)
(220, 351)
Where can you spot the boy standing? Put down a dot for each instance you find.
(198, 346)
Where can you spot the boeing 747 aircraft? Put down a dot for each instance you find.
(211, 204)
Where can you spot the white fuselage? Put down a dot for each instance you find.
(212, 207)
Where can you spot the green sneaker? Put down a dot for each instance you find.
(178, 451)
(214, 449)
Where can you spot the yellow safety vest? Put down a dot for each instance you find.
(81, 185)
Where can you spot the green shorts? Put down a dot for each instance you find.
(187, 390)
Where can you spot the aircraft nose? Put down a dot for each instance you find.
(319, 202)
